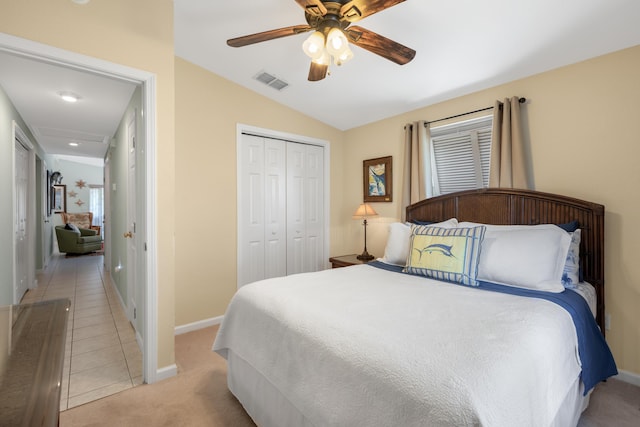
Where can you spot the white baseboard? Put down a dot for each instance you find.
(166, 372)
(628, 377)
(115, 288)
(201, 324)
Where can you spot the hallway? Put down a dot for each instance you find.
(102, 356)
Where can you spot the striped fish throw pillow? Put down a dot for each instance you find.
(449, 254)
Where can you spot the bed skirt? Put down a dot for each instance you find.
(269, 408)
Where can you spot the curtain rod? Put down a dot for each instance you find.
(521, 100)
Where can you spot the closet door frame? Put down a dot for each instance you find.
(285, 136)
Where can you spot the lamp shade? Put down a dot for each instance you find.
(364, 211)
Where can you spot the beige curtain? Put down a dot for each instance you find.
(416, 182)
(508, 167)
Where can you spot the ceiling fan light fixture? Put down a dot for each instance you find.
(336, 42)
(313, 46)
(329, 22)
(343, 57)
(324, 59)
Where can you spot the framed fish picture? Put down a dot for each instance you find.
(378, 179)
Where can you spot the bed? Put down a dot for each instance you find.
(392, 345)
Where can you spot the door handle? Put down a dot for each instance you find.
(128, 235)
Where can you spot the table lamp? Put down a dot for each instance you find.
(363, 212)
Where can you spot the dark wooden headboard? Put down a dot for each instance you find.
(523, 207)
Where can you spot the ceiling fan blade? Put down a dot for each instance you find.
(268, 35)
(313, 7)
(355, 10)
(317, 71)
(380, 45)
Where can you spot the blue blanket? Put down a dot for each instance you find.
(595, 355)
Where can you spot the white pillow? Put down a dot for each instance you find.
(525, 256)
(571, 271)
(397, 250)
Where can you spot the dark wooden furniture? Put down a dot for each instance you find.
(32, 345)
(524, 207)
(346, 261)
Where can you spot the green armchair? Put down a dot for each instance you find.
(78, 242)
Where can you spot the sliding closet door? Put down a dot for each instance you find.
(305, 208)
(261, 209)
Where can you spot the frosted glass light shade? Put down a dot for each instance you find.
(313, 46)
(343, 57)
(323, 59)
(337, 42)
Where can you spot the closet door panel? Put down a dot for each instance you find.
(305, 208)
(275, 209)
(280, 208)
(296, 244)
(251, 251)
(314, 208)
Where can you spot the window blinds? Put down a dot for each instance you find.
(462, 154)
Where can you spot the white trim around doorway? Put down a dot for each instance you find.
(38, 51)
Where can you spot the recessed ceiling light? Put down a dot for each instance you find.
(69, 96)
(73, 144)
(81, 1)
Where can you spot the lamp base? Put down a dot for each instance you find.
(365, 256)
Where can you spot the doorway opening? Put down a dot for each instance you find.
(147, 200)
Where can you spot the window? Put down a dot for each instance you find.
(461, 155)
(96, 204)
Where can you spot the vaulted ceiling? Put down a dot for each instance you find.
(462, 46)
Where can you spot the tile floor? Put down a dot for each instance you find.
(102, 356)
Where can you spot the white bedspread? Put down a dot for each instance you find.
(361, 346)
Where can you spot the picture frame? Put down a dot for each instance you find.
(59, 198)
(378, 179)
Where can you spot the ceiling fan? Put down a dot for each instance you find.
(330, 21)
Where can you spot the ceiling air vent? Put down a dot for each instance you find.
(270, 80)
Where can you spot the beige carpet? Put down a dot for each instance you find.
(198, 396)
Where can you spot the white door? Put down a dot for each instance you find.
(21, 283)
(106, 230)
(130, 233)
(305, 208)
(275, 209)
(295, 208)
(314, 208)
(250, 210)
(261, 209)
(281, 212)
(46, 223)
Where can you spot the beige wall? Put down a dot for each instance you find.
(138, 34)
(208, 109)
(584, 142)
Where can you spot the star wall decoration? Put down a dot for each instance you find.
(80, 183)
(79, 202)
(72, 194)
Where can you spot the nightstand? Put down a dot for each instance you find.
(346, 261)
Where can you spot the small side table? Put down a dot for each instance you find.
(346, 261)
